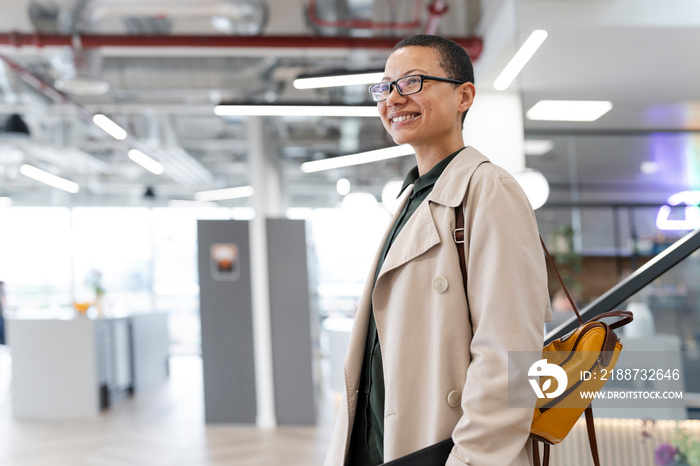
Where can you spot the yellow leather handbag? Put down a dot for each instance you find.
(593, 347)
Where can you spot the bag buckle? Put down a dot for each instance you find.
(458, 235)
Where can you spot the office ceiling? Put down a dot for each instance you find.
(639, 54)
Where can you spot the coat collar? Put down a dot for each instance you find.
(450, 188)
(420, 233)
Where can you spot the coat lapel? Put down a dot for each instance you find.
(451, 187)
(420, 233)
(353, 362)
(417, 236)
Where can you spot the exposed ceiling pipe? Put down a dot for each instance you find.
(472, 44)
(365, 24)
(245, 17)
(49, 91)
(437, 9)
(9, 95)
(194, 174)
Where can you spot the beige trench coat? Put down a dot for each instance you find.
(444, 375)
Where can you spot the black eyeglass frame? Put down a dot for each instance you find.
(422, 77)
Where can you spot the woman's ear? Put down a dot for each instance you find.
(467, 93)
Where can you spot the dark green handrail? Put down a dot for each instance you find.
(621, 292)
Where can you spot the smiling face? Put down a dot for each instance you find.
(431, 119)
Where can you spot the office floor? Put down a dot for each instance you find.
(163, 426)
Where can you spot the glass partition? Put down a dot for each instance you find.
(664, 295)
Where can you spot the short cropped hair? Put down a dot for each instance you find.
(453, 58)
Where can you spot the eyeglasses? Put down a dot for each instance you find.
(405, 86)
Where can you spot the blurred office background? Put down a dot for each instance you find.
(143, 109)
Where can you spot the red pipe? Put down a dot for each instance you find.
(473, 45)
(364, 24)
(49, 91)
(46, 89)
(437, 9)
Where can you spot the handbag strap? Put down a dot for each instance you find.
(626, 318)
(551, 262)
(536, 453)
(590, 427)
(459, 236)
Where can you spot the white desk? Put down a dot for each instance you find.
(72, 368)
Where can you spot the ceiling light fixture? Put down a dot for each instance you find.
(48, 178)
(184, 203)
(222, 24)
(109, 127)
(82, 85)
(223, 194)
(15, 126)
(519, 60)
(5, 201)
(336, 80)
(297, 110)
(648, 167)
(146, 162)
(569, 110)
(357, 159)
(535, 185)
(343, 186)
(537, 147)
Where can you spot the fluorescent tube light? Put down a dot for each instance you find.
(184, 203)
(5, 201)
(357, 159)
(519, 60)
(315, 82)
(48, 178)
(223, 194)
(569, 110)
(146, 162)
(297, 110)
(109, 127)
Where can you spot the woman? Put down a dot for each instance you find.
(425, 363)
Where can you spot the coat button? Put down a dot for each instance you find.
(440, 284)
(454, 398)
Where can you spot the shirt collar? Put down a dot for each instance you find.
(421, 182)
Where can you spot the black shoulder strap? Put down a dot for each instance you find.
(459, 236)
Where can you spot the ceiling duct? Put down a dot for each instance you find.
(240, 17)
(364, 17)
(49, 18)
(7, 85)
(79, 72)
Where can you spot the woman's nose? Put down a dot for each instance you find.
(394, 96)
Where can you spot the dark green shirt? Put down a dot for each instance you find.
(367, 439)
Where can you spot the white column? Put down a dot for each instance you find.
(494, 126)
(265, 179)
